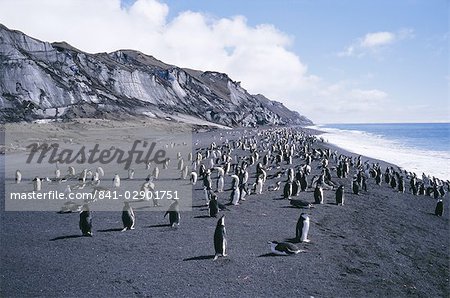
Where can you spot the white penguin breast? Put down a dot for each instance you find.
(305, 229)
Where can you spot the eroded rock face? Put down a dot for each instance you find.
(41, 80)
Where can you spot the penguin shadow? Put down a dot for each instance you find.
(199, 206)
(159, 226)
(270, 254)
(110, 230)
(431, 214)
(199, 258)
(66, 237)
(295, 207)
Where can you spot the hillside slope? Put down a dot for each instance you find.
(55, 80)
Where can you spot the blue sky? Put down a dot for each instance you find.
(334, 61)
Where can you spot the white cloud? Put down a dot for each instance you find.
(377, 39)
(373, 42)
(259, 56)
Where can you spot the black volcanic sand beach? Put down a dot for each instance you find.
(380, 243)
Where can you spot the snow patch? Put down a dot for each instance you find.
(176, 86)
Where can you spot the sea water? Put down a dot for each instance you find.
(415, 147)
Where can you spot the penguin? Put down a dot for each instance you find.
(146, 189)
(100, 171)
(116, 181)
(243, 191)
(259, 184)
(184, 172)
(193, 178)
(85, 223)
(235, 192)
(303, 182)
(439, 208)
(355, 187)
(207, 195)
(220, 240)
(393, 182)
(290, 174)
(165, 164)
(300, 204)
(401, 185)
(37, 184)
(18, 176)
(174, 214)
(180, 164)
(340, 196)
(307, 169)
(295, 187)
(227, 167)
(156, 172)
(128, 217)
(442, 191)
(131, 174)
(287, 191)
(283, 248)
(345, 169)
(83, 176)
(207, 182)
(95, 179)
(378, 178)
(318, 195)
(421, 189)
(71, 171)
(339, 171)
(220, 179)
(302, 228)
(387, 177)
(213, 206)
(202, 170)
(364, 183)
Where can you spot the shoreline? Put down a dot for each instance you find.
(401, 164)
(92, 123)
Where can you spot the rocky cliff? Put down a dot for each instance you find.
(41, 80)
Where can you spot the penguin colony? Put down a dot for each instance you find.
(277, 160)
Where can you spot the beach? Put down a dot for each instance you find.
(380, 243)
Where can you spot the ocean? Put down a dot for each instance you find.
(415, 147)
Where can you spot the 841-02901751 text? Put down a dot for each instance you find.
(138, 195)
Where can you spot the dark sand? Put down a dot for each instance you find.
(380, 243)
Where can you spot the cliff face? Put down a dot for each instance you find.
(41, 80)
